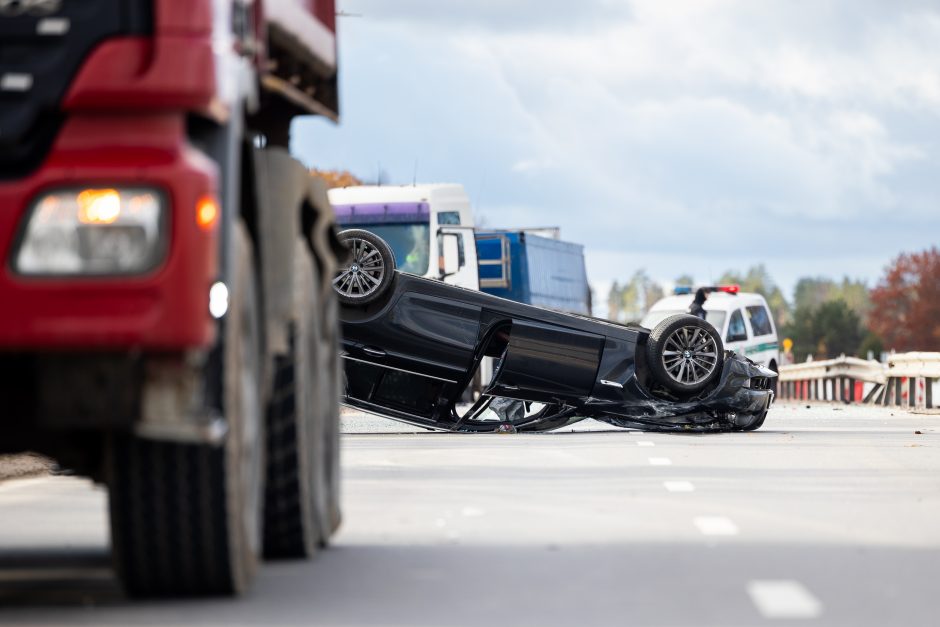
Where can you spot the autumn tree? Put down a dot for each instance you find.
(905, 310)
(336, 178)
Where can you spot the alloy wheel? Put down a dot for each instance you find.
(690, 355)
(363, 275)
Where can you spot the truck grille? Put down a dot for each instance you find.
(42, 46)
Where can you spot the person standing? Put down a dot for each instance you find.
(697, 308)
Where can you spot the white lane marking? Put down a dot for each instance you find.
(472, 512)
(679, 486)
(645, 443)
(783, 598)
(716, 525)
(660, 461)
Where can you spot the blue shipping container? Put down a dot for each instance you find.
(535, 270)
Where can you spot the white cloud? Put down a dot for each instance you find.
(793, 132)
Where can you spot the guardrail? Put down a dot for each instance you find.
(906, 380)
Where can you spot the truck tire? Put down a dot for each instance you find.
(368, 274)
(186, 517)
(684, 354)
(331, 395)
(295, 496)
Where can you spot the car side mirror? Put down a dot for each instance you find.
(740, 337)
(449, 257)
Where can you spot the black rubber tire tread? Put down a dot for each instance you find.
(293, 491)
(178, 510)
(388, 258)
(655, 347)
(331, 392)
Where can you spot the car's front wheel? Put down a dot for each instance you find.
(684, 354)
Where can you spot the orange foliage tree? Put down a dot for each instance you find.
(336, 178)
(905, 309)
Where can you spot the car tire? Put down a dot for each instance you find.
(368, 274)
(295, 494)
(684, 354)
(186, 517)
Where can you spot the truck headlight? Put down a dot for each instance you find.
(94, 231)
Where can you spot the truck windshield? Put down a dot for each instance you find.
(410, 241)
(715, 318)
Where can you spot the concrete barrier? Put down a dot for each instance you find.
(911, 380)
(845, 379)
(907, 380)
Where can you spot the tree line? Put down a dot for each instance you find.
(827, 318)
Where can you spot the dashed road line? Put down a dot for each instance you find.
(660, 461)
(679, 486)
(783, 598)
(716, 525)
(645, 443)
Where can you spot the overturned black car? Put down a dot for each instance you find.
(412, 345)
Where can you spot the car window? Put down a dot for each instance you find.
(448, 217)
(760, 320)
(737, 332)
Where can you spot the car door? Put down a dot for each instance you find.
(737, 336)
(545, 362)
(764, 347)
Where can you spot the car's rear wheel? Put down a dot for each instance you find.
(684, 354)
(368, 273)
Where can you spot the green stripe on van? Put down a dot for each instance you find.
(766, 346)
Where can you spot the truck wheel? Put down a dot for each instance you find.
(186, 517)
(331, 394)
(368, 274)
(295, 496)
(684, 354)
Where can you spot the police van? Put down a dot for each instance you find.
(742, 319)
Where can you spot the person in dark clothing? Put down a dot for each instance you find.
(697, 308)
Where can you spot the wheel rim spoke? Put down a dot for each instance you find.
(365, 274)
(690, 355)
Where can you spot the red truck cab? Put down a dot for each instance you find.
(158, 243)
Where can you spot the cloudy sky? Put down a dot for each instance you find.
(680, 136)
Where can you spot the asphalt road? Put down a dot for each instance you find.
(828, 515)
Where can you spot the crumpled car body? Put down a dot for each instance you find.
(411, 355)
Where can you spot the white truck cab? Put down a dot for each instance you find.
(428, 226)
(743, 320)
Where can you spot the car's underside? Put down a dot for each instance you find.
(413, 348)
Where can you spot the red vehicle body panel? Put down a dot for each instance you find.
(167, 309)
(125, 114)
